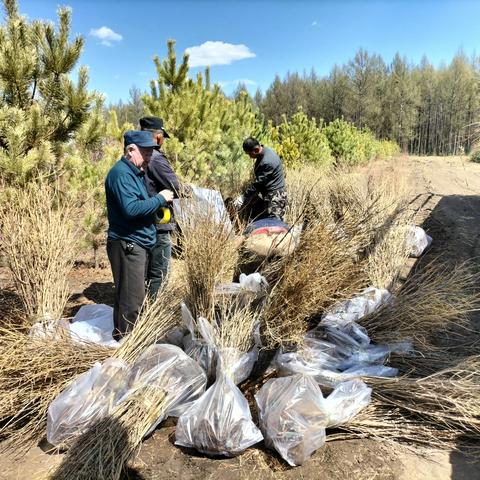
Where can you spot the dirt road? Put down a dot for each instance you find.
(447, 190)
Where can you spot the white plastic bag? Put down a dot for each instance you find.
(202, 202)
(94, 324)
(292, 417)
(169, 368)
(89, 398)
(219, 422)
(346, 401)
(246, 290)
(417, 241)
(356, 308)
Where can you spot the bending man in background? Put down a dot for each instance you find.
(160, 176)
(266, 196)
(131, 229)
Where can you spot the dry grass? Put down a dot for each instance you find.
(438, 298)
(104, 450)
(33, 371)
(39, 239)
(209, 256)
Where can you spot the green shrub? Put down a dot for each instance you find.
(300, 140)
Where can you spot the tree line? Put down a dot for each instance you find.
(426, 110)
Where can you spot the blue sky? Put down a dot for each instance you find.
(254, 40)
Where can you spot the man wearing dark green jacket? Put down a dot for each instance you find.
(131, 229)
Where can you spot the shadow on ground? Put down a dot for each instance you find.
(454, 225)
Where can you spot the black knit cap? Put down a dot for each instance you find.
(153, 123)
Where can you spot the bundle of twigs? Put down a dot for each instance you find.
(441, 410)
(103, 452)
(437, 298)
(33, 371)
(39, 239)
(209, 257)
(322, 270)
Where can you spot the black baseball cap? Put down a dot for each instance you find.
(152, 124)
(139, 138)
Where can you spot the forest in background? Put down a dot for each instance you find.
(426, 110)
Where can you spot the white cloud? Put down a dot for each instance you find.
(245, 81)
(106, 35)
(217, 53)
(116, 77)
(314, 23)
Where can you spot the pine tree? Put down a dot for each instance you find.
(41, 108)
(206, 128)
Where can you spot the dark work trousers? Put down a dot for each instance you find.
(128, 261)
(159, 263)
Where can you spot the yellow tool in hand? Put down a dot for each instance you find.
(163, 215)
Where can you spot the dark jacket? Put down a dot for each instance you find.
(268, 173)
(131, 210)
(160, 176)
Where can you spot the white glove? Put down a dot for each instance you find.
(239, 201)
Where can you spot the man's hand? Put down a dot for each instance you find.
(239, 201)
(167, 195)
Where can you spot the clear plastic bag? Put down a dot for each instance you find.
(172, 370)
(293, 417)
(202, 351)
(249, 288)
(89, 398)
(346, 401)
(219, 422)
(202, 202)
(236, 364)
(356, 308)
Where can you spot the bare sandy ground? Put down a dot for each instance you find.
(446, 191)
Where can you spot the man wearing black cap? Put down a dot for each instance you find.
(131, 229)
(160, 176)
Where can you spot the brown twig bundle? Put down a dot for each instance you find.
(33, 371)
(233, 329)
(321, 271)
(441, 410)
(104, 450)
(435, 299)
(39, 238)
(209, 256)
(372, 210)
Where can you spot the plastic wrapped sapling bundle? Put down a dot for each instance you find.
(219, 422)
(333, 355)
(91, 397)
(293, 417)
(170, 369)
